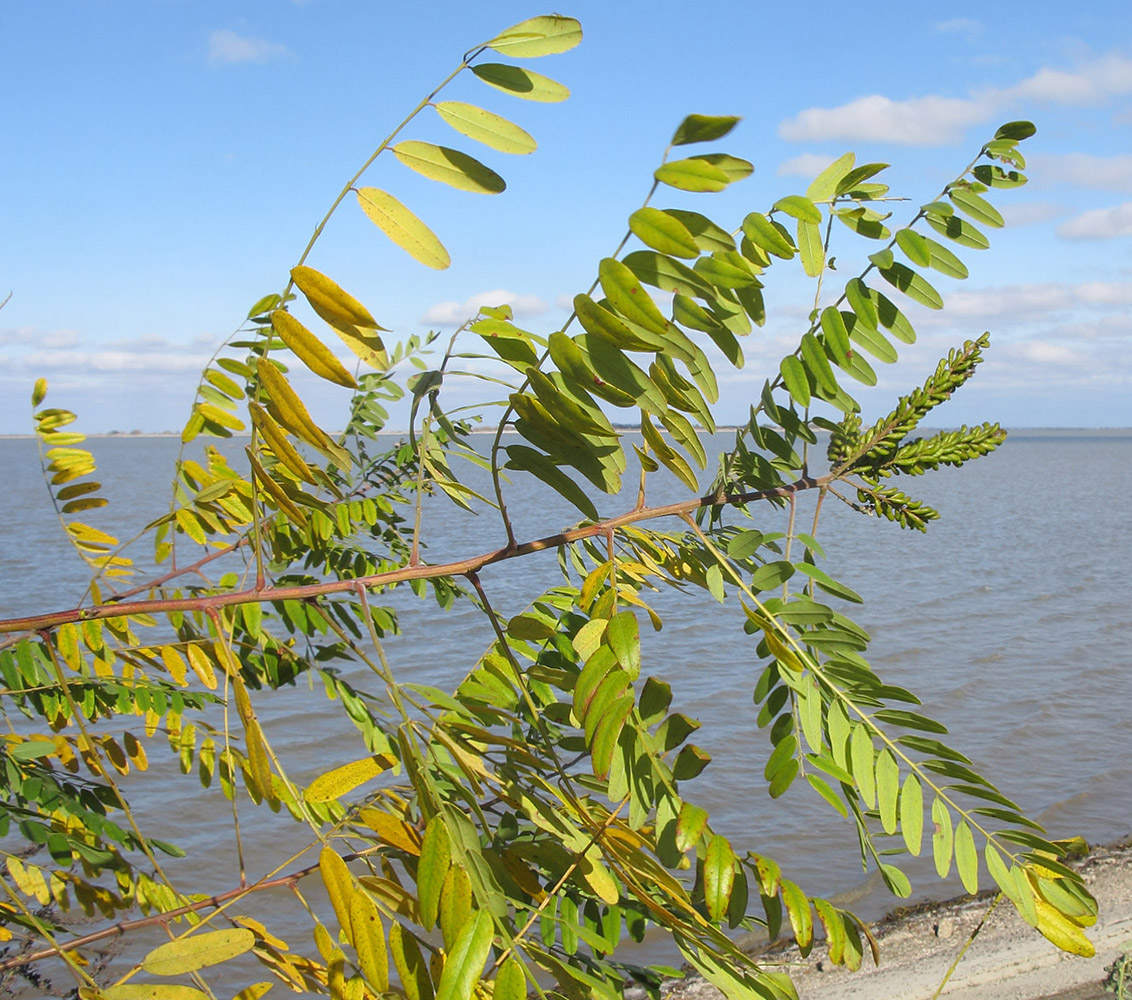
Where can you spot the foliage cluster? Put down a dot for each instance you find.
(508, 835)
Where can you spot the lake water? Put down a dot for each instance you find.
(1010, 618)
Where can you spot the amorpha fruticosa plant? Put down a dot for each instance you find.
(506, 836)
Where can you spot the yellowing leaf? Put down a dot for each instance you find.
(288, 409)
(310, 350)
(449, 166)
(538, 36)
(692, 174)
(196, 951)
(1061, 931)
(326, 297)
(719, 876)
(151, 991)
(338, 782)
(394, 831)
(369, 941)
(484, 126)
(403, 228)
(521, 82)
(597, 876)
(663, 232)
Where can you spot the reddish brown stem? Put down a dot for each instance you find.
(54, 619)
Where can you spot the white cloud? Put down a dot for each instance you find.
(919, 121)
(1035, 301)
(1099, 224)
(1100, 173)
(31, 336)
(227, 48)
(1028, 213)
(960, 26)
(935, 120)
(37, 352)
(805, 165)
(455, 313)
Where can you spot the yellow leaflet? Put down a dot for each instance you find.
(327, 297)
(340, 887)
(1061, 931)
(187, 954)
(403, 227)
(393, 831)
(336, 783)
(291, 412)
(202, 665)
(310, 350)
(491, 129)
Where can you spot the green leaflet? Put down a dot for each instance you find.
(487, 127)
(915, 246)
(432, 869)
(663, 232)
(616, 369)
(703, 128)
(942, 837)
(719, 876)
(403, 227)
(976, 207)
(769, 235)
(817, 364)
(449, 166)
(912, 814)
(575, 365)
(521, 82)
(861, 758)
(827, 184)
(707, 234)
(836, 334)
(944, 261)
(794, 378)
(465, 962)
(800, 208)
(966, 857)
(914, 285)
(521, 457)
(957, 229)
(546, 35)
(888, 789)
(627, 296)
(667, 274)
(692, 174)
(810, 248)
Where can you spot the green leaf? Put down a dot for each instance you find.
(810, 248)
(944, 261)
(912, 813)
(403, 227)
(772, 575)
(860, 301)
(915, 246)
(616, 369)
(809, 711)
(411, 966)
(914, 285)
(942, 837)
(719, 876)
(862, 765)
(432, 868)
(836, 333)
(521, 82)
(692, 174)
(627, 296)
(910, 720)
(794, 378)
(734, 167)
(798, 909)
(888, 789)
(197, 951)
(546, 35)
(770, 236)
(708, 236)
(872, 341)
(826, 184)
(896, 881)
(977, 207)
(487, 127)
(966, 857)
(664, 232)
(1016, 131)
(800, 208)
(449, 166)
(510, 981)
(957, 229)
(817, 364)
(667, 274)
(703, 128)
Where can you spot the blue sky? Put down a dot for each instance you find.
(165, 162)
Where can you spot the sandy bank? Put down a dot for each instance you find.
(1007, 961)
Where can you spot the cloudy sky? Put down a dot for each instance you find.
(165, 163)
